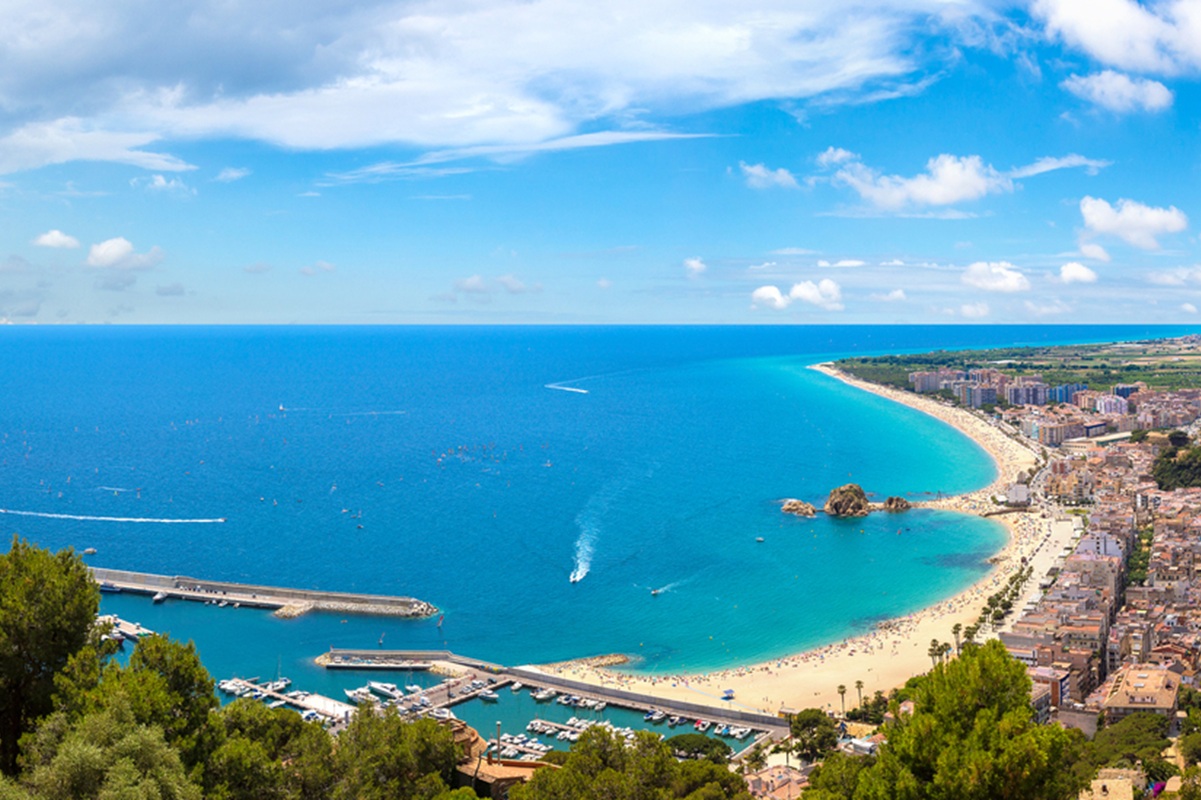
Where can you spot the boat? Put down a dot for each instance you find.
(109, 588)
(388, 690)
(760, 539)
(543, 695)
(160, 597)
(413, 688)
(91, 551)
(442, 714)
(516, 687)
(658, 716)
(359, 695)
(601, 706)
(489, 696)
(655, 592)
(673, 721)
(703, 726)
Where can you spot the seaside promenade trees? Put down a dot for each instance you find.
(48, 605)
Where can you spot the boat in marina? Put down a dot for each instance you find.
(489, 696)
(516, 687)
(542, 695)
(160, 597)
(388, 690)
(360, 695)
(413, 688)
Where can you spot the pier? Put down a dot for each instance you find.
(285, 602)
(333, 710)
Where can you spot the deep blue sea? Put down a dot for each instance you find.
(480, 468)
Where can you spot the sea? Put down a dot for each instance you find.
(557, 492)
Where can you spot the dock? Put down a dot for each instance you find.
(333, 710)
(404, 660)
(285, 602)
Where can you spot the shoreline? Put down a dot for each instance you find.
(896, 649)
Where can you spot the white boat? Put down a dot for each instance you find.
(543, 695)
(359, 695)
(388, 690)
(489, 696)
(413, 688)
(160, 597)
(442, 714)
(517, 687)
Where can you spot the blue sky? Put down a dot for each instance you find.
(548, 161)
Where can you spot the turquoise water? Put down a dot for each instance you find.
(437, 463)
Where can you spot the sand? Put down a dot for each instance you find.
(897, 649)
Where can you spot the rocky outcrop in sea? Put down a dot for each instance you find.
(798, 507)
(848, 501)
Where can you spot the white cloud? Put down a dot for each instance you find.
(1120, 93)
(694, 267)
(513, 285)
(475, 284)
(846, 262)
(895, 296)
(56, 238)
(39, 144)
(998, 276)
(1175, 277)
(1162, 37)
(1132, 222)
(1189, 307)
(157, 183)
(1075, 272)
(894, 262)
(947, 180)
(437, 75)
(759, 176)
(824, 294)
(792, 251)
(833, 156)
(1094, 251)
(974, 310)
(1051, 163)
(1053, 308)
(769, 297)
(118, 254)
(604, 283)
(231, 174)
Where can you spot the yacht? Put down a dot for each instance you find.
(388, 690)
(489, 696)
(160, 597)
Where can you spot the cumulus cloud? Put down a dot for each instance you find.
(694, 267)
(1120, 93)
(998, 276)
(1132, 222)
(974, 310)
(1162, 37)
(1075, 272)
(1094, 251)
(824, 294)
(481, 290)
(56, 238)
(1188, 307)
(759, 176)
(895, 296)
(118, 254)
(845, 262)
(832, 156)
(948, 179)
(231, 174)
(513, 285)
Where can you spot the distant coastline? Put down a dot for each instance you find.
(897, 649)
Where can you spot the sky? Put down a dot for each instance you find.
(621, 161)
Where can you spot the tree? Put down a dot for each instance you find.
(813, 733)
(934, 651)
(698, 745)
(972, 736)
(837, 777)
(859, 690)
(955, 630)
(106, 754)
(756, 759)
(48, 605)
(380, 756)
(842, 695)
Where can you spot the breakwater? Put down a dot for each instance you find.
(286, 602)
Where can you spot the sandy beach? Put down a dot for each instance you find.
(897, 649)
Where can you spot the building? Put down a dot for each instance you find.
(1142, 687)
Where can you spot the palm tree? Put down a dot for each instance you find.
(955, 629)
(946, 648)
(859, 689)
(933, 651)
(842, 695)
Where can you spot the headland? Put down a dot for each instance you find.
(898, 648)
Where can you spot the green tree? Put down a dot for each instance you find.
(859, 691)
(842, 695)
(48, 605)
(972, 737)
(955, 631)
(105, 755)
(265, 751)
(698, 745)
(837, 777)
(813, 733)
(381, 757)
(756, 759)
